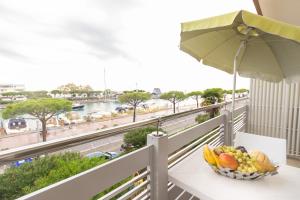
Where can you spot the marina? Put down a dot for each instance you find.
(89, 111)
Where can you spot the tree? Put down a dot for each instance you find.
(67, 88)
(202, 118)
(238, 91)
(43, 109)
(36, 94)
(137, 138)
(196, 95)
(212, 96)
(174, 97)
(86, 88)
(74, 89)
(41, 172)
(242, 90)
(56, 92)
(227, 91)
(12, 94)
(134, 99)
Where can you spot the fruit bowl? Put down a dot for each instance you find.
(237, 163)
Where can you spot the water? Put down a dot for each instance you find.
(108, 107)
(90, 108)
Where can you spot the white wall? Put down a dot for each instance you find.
(274, 111)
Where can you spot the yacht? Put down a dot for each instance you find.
(77, 106)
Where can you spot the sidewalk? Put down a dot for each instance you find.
(17, 140)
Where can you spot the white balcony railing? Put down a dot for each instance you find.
(152, 161)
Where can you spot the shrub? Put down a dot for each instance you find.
(96, 197)
(202, 118)
(138, 137)
(5, 102)
(41, 172)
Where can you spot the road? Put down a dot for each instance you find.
(18, 140)
(111, 143)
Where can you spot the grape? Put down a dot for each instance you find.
(231, 149)
(246, 163)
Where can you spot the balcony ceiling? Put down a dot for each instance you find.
(286, 11)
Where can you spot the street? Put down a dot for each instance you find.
(111, 143)
(18, 140)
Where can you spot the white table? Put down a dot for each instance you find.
(195, 176)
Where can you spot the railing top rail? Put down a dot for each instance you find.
(19, 153)
(184, 137)
(204, 108)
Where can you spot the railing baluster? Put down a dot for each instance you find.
(158, 166)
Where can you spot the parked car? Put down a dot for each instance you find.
(126, 147)
(106, 155)
(112, 154)
(120, 109)
(21, 162)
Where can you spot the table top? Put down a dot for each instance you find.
(194, 175)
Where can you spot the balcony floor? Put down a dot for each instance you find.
(293, 162)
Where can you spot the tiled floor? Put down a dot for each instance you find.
(293, 162)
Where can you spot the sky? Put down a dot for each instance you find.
(48, 43)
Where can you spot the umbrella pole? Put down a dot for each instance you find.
(243, 43)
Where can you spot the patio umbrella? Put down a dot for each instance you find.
(245, 43)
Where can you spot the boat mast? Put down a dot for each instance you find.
(105, 85)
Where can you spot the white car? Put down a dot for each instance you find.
(107, 155)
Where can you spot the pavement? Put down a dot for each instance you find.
(106, 144)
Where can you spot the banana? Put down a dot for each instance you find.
(208, 156)
(216, 157)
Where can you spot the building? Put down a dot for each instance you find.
(156, 93)
(4, 88)
(274, 107)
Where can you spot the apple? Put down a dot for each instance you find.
(228, 161)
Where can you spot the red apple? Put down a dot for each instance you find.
(228, 161)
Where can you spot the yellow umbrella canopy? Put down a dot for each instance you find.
(248, 44)
(262, 48)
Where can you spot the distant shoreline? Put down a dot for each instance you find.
(93, 100)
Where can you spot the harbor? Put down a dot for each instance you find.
(90, 113)
(31, 136)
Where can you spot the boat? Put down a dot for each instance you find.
(16, 125)
(77, 106)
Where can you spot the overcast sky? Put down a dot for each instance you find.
(47, 43)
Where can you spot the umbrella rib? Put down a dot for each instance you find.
(218, 46)
(271, 49)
